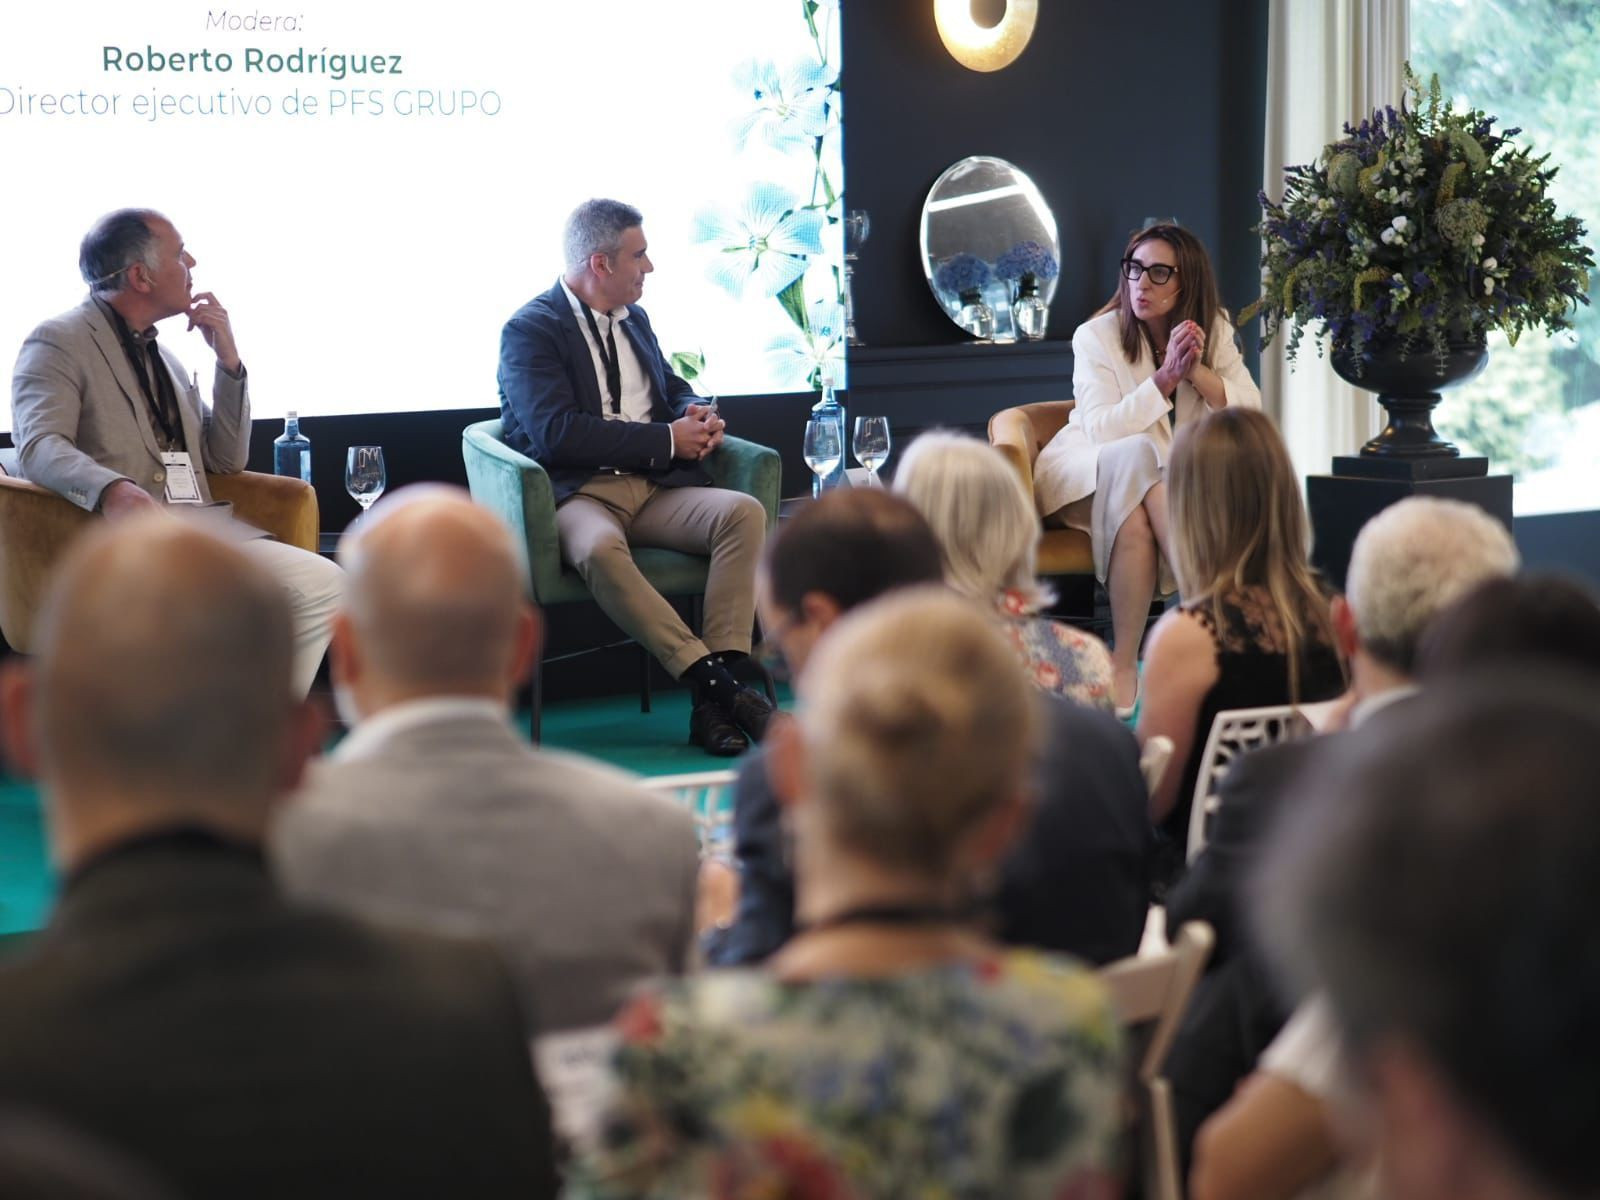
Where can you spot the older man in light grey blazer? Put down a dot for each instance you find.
(434, 812)
(106, 415)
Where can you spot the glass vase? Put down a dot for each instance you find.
(976, 317)
(1029, 314)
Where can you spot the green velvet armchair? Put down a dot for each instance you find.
(516, 487)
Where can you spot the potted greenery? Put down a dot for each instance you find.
(1404, 244)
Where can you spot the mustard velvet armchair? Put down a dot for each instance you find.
(37, 526)
(1019, 433)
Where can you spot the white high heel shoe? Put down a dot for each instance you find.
(1126, 714)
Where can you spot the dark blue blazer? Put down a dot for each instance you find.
(1077, 880)
(550, 404)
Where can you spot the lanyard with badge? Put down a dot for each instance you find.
(181, 485)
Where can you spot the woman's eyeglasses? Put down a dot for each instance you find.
(1159, 273)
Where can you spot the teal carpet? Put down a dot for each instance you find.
(612, 730)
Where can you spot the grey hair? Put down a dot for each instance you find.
(984, 519)
(117, 241)
(1412, 561)
(596, 227)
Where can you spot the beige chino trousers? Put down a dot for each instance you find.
(601, 523)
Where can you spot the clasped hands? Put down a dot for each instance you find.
(1185, 359)
(697, 433)
(1186, 348)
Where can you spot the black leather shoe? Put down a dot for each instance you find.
(712, 729)
(750, 673)
(752, 712)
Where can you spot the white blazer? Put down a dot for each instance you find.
(1117, 399)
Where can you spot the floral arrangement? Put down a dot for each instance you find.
(961, 274)
(1027, 264)
(782, 239)
(1422, 226)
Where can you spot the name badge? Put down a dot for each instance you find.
(182, 487)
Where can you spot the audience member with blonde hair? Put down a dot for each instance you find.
(1268, 1137)
(989, 537)
(889, 1050)
(1254, 626)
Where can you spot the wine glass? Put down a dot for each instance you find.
(824, 446)
(871, 444)
(364, 475)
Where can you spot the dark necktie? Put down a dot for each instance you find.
(163, 401)
(608, 355)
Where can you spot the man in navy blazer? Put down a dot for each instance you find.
(622, 438)
(1075, 880)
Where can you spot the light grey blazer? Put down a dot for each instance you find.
(80, 421)
(584, 880)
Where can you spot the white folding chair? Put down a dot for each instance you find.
(1150, 994)
(1153, 761)
(1234, 733)
(708, 795)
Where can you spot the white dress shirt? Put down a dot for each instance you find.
(636, 402)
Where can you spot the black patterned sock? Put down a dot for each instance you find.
(710, 680)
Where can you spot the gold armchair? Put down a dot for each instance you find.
(1018, 433)
(36, 527)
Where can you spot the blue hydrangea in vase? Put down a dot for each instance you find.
(1027, 267)
(963, 277)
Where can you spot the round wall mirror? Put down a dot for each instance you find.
(987, 230)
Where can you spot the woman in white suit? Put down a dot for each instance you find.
(1158, 355)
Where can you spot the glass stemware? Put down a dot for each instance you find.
(871, 443)
(824, 446)
(364, 475)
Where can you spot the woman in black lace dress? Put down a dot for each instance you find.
(1253, 628)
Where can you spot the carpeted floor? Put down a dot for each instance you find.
(612, 730)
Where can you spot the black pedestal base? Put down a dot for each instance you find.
(1340, 505)
(1372, 466)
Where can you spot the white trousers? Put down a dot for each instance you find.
(314, 586)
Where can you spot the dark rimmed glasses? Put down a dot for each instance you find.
(1159, 273)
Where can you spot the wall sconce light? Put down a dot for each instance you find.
(985, 47)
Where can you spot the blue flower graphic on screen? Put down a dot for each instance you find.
(960, 274)
(797, 356)
(1025, 259)
(788, 108)
(762, 246)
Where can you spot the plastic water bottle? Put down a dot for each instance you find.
(829, 406)
(291, 451)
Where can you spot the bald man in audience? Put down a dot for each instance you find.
(435, 812)
(177, 1009)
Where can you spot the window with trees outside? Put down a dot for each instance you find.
(1535, 409)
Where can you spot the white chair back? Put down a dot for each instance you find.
(1234, 733)
(1150, 994)
(1153, 761)
(708, 795)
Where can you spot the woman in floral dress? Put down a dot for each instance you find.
(889, 1050)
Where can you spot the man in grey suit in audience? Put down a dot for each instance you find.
(434, 811)
(106, 416)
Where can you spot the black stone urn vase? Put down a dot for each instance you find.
(1408, 383)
